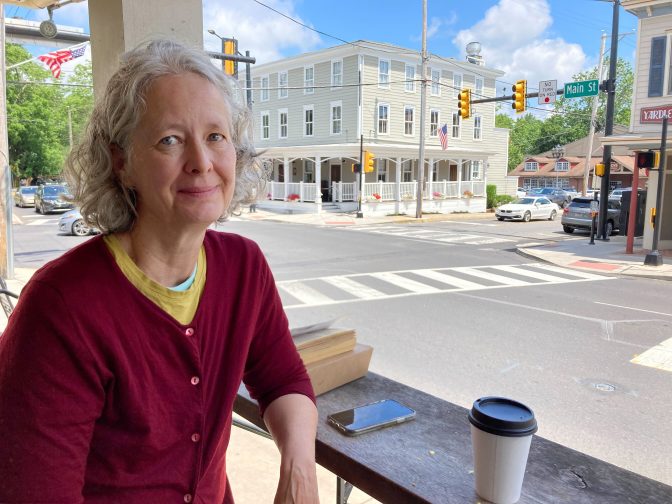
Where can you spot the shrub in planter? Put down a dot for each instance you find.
(501, 199)
(491, 192)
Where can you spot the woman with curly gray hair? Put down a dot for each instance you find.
(122, 360)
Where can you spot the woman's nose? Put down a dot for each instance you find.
(198, 158)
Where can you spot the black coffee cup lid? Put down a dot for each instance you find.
(503, 417)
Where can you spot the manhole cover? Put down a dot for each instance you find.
(604, 387)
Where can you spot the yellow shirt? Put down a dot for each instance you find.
(181, 305)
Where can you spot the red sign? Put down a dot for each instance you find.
(655, 114)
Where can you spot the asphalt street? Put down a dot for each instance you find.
(451, 309)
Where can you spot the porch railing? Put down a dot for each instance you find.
(280, 190)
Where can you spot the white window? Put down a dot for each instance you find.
(381, 171)
(409, 112)
(433, 123)
(336, 117)
(407, 172)
(308, 80)
(562, 166)
(337, 73)
(383, 118)
(457, 84)
(457, 120)
(436, 82)
(410, 78)
(531, 166)
(282, 85)
(476, 170)
(265, 125)
(384, 73)
(282, 123)
(308, 120)
(477, 127)
(264, 88)
(478, 87)
(309, 171)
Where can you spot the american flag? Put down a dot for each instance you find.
(55, 59)
(443, 136)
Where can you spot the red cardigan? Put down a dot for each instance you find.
(106, 398)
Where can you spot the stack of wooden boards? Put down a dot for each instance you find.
(331, 355)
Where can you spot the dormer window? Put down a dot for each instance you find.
(562, 166)
(531, 166)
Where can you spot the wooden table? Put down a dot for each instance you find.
(430, 458)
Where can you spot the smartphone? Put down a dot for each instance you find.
(371, 417)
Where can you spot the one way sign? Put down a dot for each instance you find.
(547, 91)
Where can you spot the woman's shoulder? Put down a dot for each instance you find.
(85, 261)
(231, 242)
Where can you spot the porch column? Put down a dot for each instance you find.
(430, 176)
(397, 187)
(285, 168)
(120, 25)
(459, 177)
(318, 183)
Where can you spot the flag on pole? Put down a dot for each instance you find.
(443, 136)
(55, 59)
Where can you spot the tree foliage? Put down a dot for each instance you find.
(570, 119)
(37, 114)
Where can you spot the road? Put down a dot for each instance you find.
(451, 309)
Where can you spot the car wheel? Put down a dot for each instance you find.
(568, 229)
(79, 228)
(553, 215)
(37, 209)
(610, 228)
(527, 217)
(500, 218)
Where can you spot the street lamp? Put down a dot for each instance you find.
(557, 152)
(213, 32)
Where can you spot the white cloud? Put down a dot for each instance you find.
(521, 50)
(266, 34)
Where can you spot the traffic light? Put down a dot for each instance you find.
(368, 162)
(464, 103)
(599, 169)
(519, 91)
(231, 48)
(647, 159)
(356, 168)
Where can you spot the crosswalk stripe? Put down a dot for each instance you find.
(355, 288)
(448, 279)
(305, 293)
(487, 241)
(491, 276)
(457, 238)
(405, 283)
(566, 271)
(532, 274)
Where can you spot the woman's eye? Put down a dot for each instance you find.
(216, 137)
(169, 140)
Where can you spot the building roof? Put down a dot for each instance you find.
(579, 147)
(625, 164)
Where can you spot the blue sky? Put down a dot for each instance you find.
(532, 39)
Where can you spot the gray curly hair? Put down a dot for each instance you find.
(104, 201)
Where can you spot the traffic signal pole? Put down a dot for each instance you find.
(655, 258)
(609, 126)
(423, 106)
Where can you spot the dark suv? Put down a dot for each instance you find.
(577, 215)
(51, 198)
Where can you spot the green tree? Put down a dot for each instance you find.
(523, 137)
(78, 102)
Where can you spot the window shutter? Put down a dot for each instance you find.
(657, 66)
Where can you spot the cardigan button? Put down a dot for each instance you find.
(187, 498)
(189, 331)
(195, 380)
(195, 437)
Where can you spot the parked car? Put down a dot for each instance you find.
(616, 194)
(577, 215)
(72, 223)
(52, 198)
(520, 192)
(557, 196)
(25, 196)
(528, 208)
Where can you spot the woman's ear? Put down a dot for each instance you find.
(118, 161)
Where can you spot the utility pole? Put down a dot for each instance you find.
(423, 105)
(609, 126)
(593, 115)
(655, 258)
(6, 242)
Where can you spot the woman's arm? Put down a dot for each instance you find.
(292, 421)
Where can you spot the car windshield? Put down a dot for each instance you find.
(524, 201)
(28, 190)
(54, 190)
(547, 190)
(580, 203)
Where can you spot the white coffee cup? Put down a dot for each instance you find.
(501, 434)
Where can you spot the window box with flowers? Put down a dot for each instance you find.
(438, 195)
(375, 198)
(468, 194)
(293, 197)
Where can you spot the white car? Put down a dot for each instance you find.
(71, 222)
(528, 208)
(520, 192)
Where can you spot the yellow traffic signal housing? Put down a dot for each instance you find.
(464, 104)
(599, 169)
(519, 91)
(231, 48)
(369, 165)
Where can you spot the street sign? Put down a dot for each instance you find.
(581, 88)
(547, 91)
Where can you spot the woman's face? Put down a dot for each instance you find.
(182, 159)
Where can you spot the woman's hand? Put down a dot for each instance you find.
(292, 421)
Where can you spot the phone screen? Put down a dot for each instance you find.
(371, 416)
